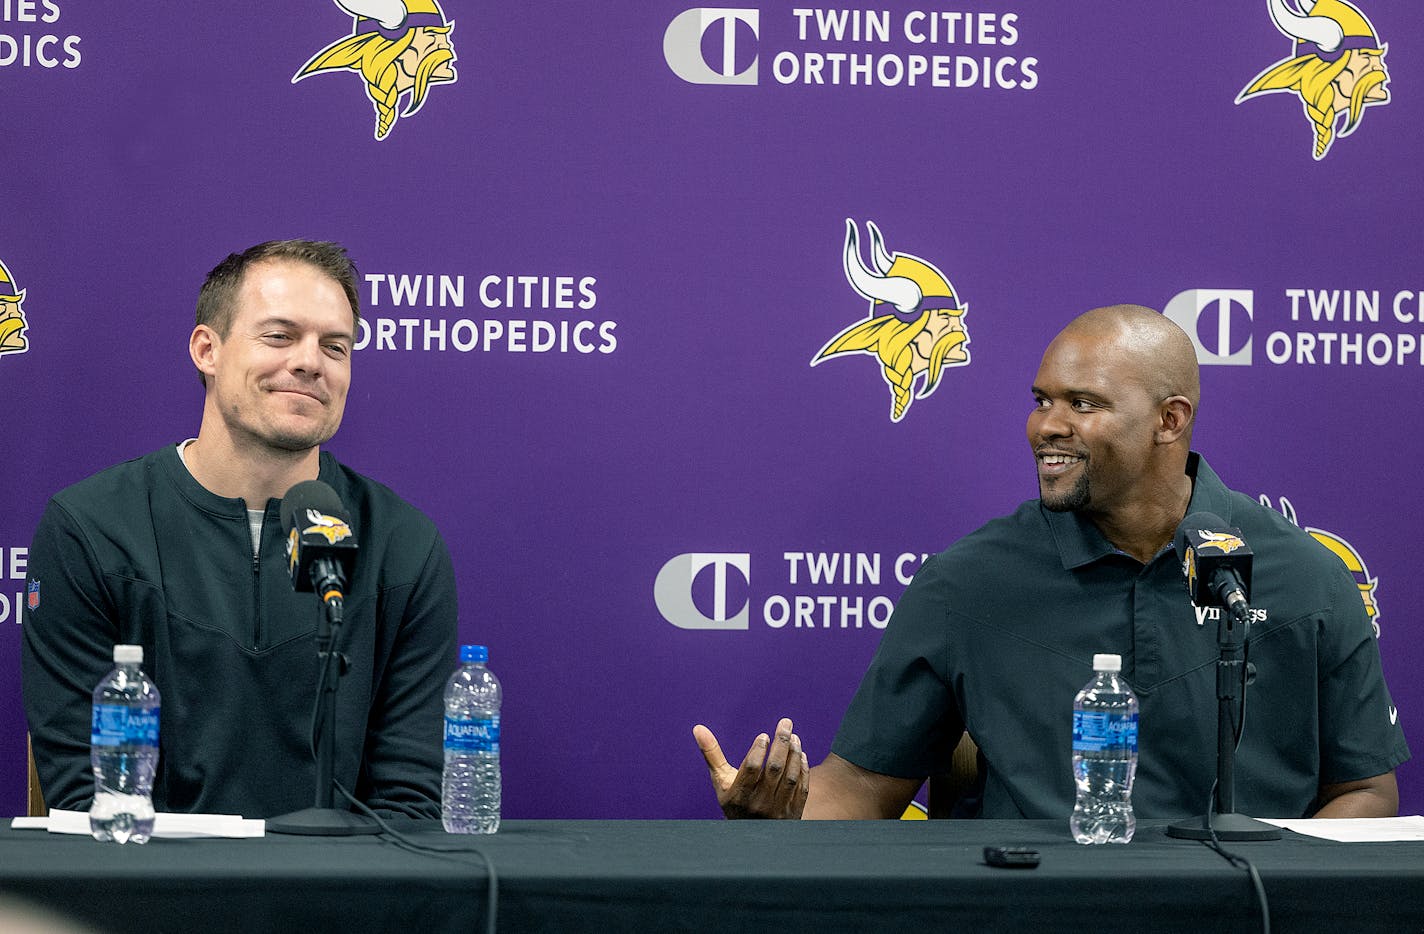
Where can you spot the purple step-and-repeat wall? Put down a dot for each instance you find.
(617, 262)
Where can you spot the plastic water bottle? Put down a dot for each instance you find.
(469, 799)
(123, 750)
(1104, 756)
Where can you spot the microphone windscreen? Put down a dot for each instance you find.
(311, 494)
(1213, 555)
(1195, 522)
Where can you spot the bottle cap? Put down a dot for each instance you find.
(1107, 663)
(128, 654)
(473, 653)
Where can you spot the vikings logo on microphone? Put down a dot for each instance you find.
(1223, 542)
(1346, 553)
(1336, 66)
(328, 527)
(400, 47)
(915, 325)
(12, 316)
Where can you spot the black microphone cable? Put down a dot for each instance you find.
(1235, 859)
(396, 837)
(332, 657)
(404, 842)
(1240, 862)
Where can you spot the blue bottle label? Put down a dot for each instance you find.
(1096, 731)
(472, 735)
(116, 725)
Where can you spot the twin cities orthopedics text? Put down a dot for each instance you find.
(878, 48)
(524, 314)
(29, 39)
(14, 562)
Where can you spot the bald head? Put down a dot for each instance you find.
(1140, 343)
(1114, 401)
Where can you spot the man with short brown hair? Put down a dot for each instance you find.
(182, 552)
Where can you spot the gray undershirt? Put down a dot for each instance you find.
(254, 516)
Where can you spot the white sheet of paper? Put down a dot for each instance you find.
(165, 825)
(1357, 829)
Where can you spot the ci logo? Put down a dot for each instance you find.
(1218, 321)
(730, 35)
(673, 590)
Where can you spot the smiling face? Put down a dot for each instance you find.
(1112, 410)
(279, 378)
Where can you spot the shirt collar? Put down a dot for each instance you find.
(172, 459)
(1080, 542)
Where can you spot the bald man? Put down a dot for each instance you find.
(997, 634)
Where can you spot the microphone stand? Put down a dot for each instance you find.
(323, 819)
(1224, 823)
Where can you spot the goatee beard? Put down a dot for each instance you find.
(1069, 501)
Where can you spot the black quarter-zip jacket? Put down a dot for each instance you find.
(142, 553)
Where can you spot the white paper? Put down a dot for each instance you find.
(165, 825)
(1356, 829)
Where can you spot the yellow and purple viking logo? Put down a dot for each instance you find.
(1189, 568)
(1346, 553)
(1336, 66)
(328, 527)
(12, 315)
(400, 47)
(1223, 542)
(915, 327)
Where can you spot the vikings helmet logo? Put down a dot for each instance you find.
(1347, 554)
(1219, 541)
(400, 47)
(12, 316)
(915, 326)
(1336, 66)
(1189, 569)
(328, 527)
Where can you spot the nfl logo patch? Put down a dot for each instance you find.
(32, 600)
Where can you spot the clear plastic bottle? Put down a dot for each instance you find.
(1104, 756)
(123, 750)
(470, 790)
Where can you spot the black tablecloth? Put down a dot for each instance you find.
(717, 876)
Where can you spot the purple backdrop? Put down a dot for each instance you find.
(675, 195)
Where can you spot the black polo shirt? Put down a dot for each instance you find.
(997, 634)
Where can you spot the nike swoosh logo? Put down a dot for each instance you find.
(1393, 714)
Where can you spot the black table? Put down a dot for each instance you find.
(719, 876)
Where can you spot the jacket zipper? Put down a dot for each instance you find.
(257, 592)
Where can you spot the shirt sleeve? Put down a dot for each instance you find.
(1360, 735)
(903, 720)
(404, 753)
(66, 647)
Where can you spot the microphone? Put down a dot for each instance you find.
(1217, 563)
(321, 547)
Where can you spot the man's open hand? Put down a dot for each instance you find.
(771, 782)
